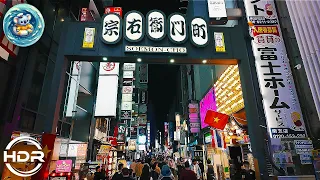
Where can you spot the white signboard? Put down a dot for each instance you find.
(111, 32)
(156, 25)
(126, 106)
(109, 68)
(217, 9)
(177, 28)
(127, 74)
(280, 101)
(199, 32)
(129, 66)
(76, 68)
(152, 49)
(127, 90)
(134, 26)
(126, 97)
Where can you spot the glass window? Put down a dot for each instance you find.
(27, 120)
(37, 82)
(64, 101)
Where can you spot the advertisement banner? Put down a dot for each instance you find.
(117, 10)
(143, 73)
(208, 102)
(84, 14)
(126, 98)
(88, 37)
(128, 74)
(63, 166)
(133, 132)
(126, 115)
(194, 118)
(217, 9)
(129, 66)
(219, 42)
(122, 133)
(280, 100)
(127, 82)
(109, 68)
(127, 89)
(143, 96)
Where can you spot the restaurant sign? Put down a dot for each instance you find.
(280, 100)
(155, 26)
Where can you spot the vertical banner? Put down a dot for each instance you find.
(194, 118)
(143, 73)
(143, 96)
(84, 14)
(88, 37)
(47, 144)
(121, 133)
(280, 100)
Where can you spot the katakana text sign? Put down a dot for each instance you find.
(280, 100)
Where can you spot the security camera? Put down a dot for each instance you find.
(298, 66)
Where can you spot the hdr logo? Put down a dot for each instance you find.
(23, 156)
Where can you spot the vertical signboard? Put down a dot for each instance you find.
(280, 101)
(194, 118)
(121, 133)
(143, 96)
(88, 37)
(143, 74)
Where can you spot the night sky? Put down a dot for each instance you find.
(162, 88)
(162, 78)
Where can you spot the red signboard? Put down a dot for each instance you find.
(84, 14)
(117, 10)
(271, 30)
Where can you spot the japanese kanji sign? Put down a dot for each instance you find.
(156, 25)
(199, 32)
(177, 28)
(126, 115)
(111, 28)
(280, 101)
(134, 26)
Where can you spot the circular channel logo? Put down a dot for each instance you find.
(23, 156)
(23, 25)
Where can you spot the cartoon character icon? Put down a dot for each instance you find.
(296, 118)
(269, 9)
(22, 25)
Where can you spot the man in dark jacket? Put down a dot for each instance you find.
(126, 174)
(247, 173)
(118, 174)
(98, 175)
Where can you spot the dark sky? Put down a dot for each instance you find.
(161, 89)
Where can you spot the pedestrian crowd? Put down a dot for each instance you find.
(167, 169)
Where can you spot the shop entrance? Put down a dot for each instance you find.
(73, 47)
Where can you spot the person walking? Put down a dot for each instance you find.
(139, 168)
(133, 167)
(195, 167)
(247, 173)
(126, 174)
(145, 175)
(187, 173)
(118, 174)
(154, 173)
(166, 173)
(210, 171)
(98, 175)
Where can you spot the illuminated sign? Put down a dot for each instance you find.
(23, 25)
(229, 92)
(194, 118)
(63, 166)
(88, 38)
(207, 103)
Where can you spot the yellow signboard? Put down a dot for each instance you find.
(88, 38)
(219, 42)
